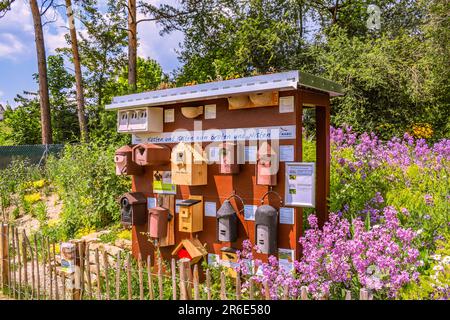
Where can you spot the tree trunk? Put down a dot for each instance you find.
(78, 76)
(44, 100)
(132, 45)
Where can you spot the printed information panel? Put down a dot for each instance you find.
(300, 184)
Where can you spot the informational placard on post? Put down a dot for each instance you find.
(286, 259)
(210, 111)
(177, 208)
(162, 182)
(286, 215)
(300, 184)
(249, 212)
(250, 153)
(210, 209)
(169, 115)
(287, 153)
(213, 259)
(151, 203)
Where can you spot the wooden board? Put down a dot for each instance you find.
(168, 202)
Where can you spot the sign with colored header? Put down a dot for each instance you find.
(219, 135)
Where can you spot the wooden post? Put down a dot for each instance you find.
(88, 270)
(160, 279)
(141, 279)
(99, 276)
(183, 295)
(118, 267)
(25, 263)
(208, 284)
(266, 291)
(8, 240)
(50, 273)
(19, 262)
(363, 294)
(223, 292)
(44, 263)
(33, 278)
(55, 273)
(81, 248)
(174, 279)
(63, 281)
(252, 289)
(322, 162)
(38, 277)
(286, 292)
(13, 238)
(196, 279)
(304, 293)
(238, 286)
(129, 276)
(149, 276)
(4, 256)
(106, 264)
(348, 295)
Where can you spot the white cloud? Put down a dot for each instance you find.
(10, 46)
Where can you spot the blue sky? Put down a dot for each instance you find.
(18, 52)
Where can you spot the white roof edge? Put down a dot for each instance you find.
(212, 90)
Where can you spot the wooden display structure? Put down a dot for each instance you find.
(304, 90)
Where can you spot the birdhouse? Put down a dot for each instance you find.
(266, 165)
(143, 120)
(191, 249)
(191, 214)
(229, 259)
(189, 165)
(124, 162)
(226, 223)
(148, 154)
(133, 209)
(266, 225)
(229, 163)
(158, 219)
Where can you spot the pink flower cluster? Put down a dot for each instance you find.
(398, 152)
(345, 255)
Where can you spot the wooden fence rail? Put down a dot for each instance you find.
(31, 270)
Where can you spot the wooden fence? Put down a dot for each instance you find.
(29, 269)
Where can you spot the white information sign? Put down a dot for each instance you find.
(286, 104)
(169, 115)
(210, 135)
(300, 184)
(151, 203)
(210, 111)
(249, 212)
(287, 153)
(210, 209)
(286, 215)
(214, 154)
(286, 259)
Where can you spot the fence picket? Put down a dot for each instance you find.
(266, 291)
(81, 248)
(19, 259)
(252, 289)
(106, 265)
(44, 272)
(55, 273)
(149, 277)
(63, 281)
(129, 276)
(304, 293)
(99, 276)
(160, 279)
(118, 269)
(38, 277)
(88, 270)
(141, 280)
(174, 278)
(223, 293)
(238, 286)
(208, 284)
(196, 280)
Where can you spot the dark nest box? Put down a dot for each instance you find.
(266, 222)
(133, 209)
(227, 221)
(124, 162)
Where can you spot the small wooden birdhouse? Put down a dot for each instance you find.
(189, 165)
(191, 214)
(191, 249)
